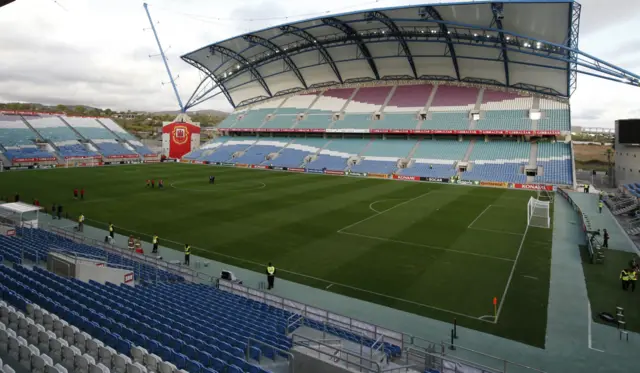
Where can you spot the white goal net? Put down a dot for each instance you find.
(538, 213)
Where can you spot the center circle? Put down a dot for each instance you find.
(202, 185)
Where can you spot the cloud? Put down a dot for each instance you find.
(588, 114)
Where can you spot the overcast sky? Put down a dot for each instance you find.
(96, 52)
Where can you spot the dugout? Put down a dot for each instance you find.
(20, 214)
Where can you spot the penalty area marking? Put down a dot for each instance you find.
(261, 186)
(382, 200)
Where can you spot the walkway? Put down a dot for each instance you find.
(567, 331)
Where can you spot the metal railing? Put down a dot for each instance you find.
(253, 341)
(337, 355)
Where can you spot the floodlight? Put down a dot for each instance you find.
(237, 66)
(475, 35)
(433, 31)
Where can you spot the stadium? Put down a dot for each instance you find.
(409, 172)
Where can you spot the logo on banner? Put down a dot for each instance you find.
(402, 177)
(435, 179)
(496, 184)
(128, 278)
(180, 135)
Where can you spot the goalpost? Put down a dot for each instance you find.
(538, 213)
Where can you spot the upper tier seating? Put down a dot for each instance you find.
(229, 121)
(396, 121)
(315, 121)
(499, 100)
(52, 128)
(89, 128)
(257, 153)
(368, 99)
(409, 98)
(281, 121)
(115, 128)
(448, 121)
(498, 161)
(331, 101)
(297, 104)
(13, 131)
(555, 159)
(29, 151)
(505, 120)
(253, 118)
(112, 148)
(73, 148)
(556, 120)
(294, 154)
(454, 98)
(360, 121)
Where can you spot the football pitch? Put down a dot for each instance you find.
(438, 250)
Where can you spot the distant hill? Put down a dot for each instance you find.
(215, 113)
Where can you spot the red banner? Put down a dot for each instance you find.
(242, 165)
(329, 172)
(180, 138)
(260, 167)
(404, 131)
(296, 169)
(128, 278)
(151, 155)
(534, 187)
(123, 156)
(21, 160)
(402, 177)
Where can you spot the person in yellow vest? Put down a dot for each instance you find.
(586, 188)
(112, 230)
(271, 275)
(132, 243)
(81, 223)
(600, 206)
(187, 253)
(155, 244)
(633, 277)
(624, 276)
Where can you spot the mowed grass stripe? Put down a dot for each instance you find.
(294, 219)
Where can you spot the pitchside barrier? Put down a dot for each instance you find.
(585, 223)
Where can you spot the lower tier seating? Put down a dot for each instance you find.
(329, 162)
(429, 170)
(74, 149)
(504, 172)
(555, 172)
(379, 167)
(113, 149)
(27, 152)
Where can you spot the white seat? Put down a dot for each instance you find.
(4, 340)
(120, 363)
(106, 355)
(14, 348)
(99, 368)
(4, 314)
(69, 356)
(83, 362)
(151, 361)
(58, 327)
(55, 347)
(93, 347)
(69, 332)
(138, 354)
(8, 369)
(166, 367)
(31, 309)
(43, 340)
(14, 317)
(23, 327)
(47, 359)
(25, 356)
(48, 319)
(38, 315)
(81, 339)
(136, 368)
(34, 331)
(37, 364)
(55, 369)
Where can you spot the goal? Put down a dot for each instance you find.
(538, 213)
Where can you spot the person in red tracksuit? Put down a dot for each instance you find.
(82, 193)
(75, 193)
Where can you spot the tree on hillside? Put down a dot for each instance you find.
(108, 112)
(79, 109)
(62, 108)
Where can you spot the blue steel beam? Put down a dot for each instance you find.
(351, 33)
(254, 39)
(497, 9)
(572, 43)
(243, 62)
(431, 13)
(395, 31)
(164, 58)
(305, 35)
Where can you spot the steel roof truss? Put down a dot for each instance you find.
(208, 83)
(353, 35)
(214, 49)
(497, 9)
(430, 13)
(254, 39)
(397, 33)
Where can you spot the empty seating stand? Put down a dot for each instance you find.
(14, 133)
(52, 128)
(498, 161)
(89, 128)
(555, 160)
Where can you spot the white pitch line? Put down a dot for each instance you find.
(495, 231)
(513, 270)
(589, 321)
(426, 246)
(531, 277)
(478, 217)
(382, 212)
(381, 200)
(328, 286)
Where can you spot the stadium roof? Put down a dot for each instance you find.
(523, 44)
(5, 2)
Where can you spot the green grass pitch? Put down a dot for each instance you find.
(437, 250)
